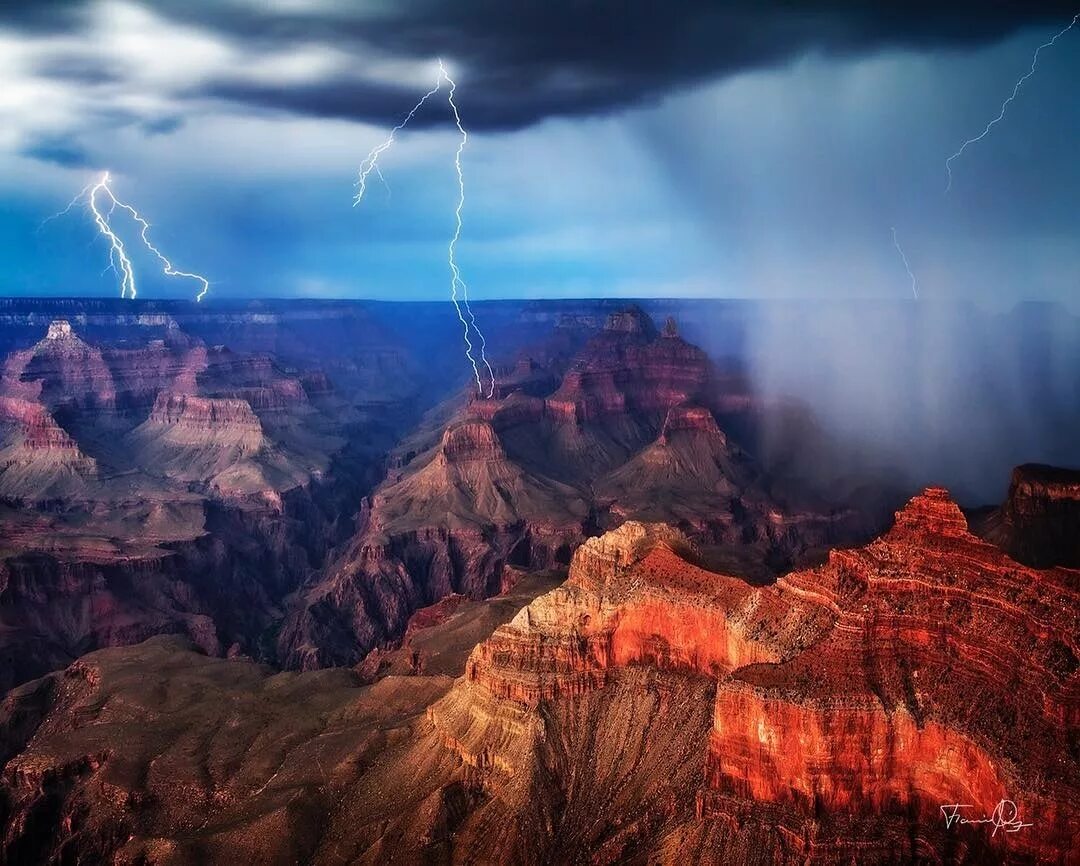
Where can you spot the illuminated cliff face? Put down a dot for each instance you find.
(645, 705)
(923, 670)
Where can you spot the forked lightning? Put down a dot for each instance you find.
(1005, 105)
(119, 260)
(370, 164)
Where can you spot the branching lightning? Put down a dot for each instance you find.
(456, 280)
(370, 164)
(1005, 105)
(117, 253)
(118, 256)
(907, 267)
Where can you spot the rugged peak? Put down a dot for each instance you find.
(597, 560)
(1036, 523)
(691, 418)
(628, 368)
(59, 329)
(472, 439)
(60, 338)
(39, 428)
(174, 336)
(932, 511)
(671, 329)
(632, 320)
(1036, 480)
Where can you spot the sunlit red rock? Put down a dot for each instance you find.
(647, 709)
(852, 701)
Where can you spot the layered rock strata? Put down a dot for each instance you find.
(522, 478)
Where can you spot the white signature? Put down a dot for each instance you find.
(1006, 816)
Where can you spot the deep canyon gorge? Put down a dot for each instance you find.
(275, 588)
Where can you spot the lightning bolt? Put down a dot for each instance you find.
(1005, 105)
(117, 253)
(370, 164)
(456, 280)
(119, 260)
(903, 258)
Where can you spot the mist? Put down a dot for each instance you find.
(918, 392)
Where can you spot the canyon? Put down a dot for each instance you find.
(275, 589)
(163, 485)
(624, 428)
(645, 709)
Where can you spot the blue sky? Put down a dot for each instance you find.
(778, 175)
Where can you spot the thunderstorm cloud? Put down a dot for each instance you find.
(522, 61)
(749, 148)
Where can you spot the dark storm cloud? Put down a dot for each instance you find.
(42, 16)
(59, 151)
(531, 59)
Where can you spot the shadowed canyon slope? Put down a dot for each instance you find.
(1038, 520)
(625, 428)
(150, 482)
(628, 609)
(647, 709)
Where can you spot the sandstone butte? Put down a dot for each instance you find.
(852, 701)
(1038, 520)
(647, 710)
(629, 431)
(165, 486)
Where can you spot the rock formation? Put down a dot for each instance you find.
(648, 709)
(1037, 522)
(38, 460)
(169, 487)
(851, 703)
(524, 478)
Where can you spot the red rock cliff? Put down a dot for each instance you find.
(852, 701)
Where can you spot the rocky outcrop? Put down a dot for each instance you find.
(450, 526)
(470, 440)
(524, 478)
(92, 385)
(634, 596)
(161, 486)
(278, 396)
(952, 671)
(629, 367)
(202, 415)
(647, 709)
(36, 428)
(1037, 522)
(851, 703)
(219, 590)
(68, 372)
(141, 374)
(38, 459)
(107, 761)
(203, 439)
(692, 474)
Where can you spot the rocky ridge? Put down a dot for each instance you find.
(649, 708)
(1037, 522)
(524, 478)
(166, 487)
